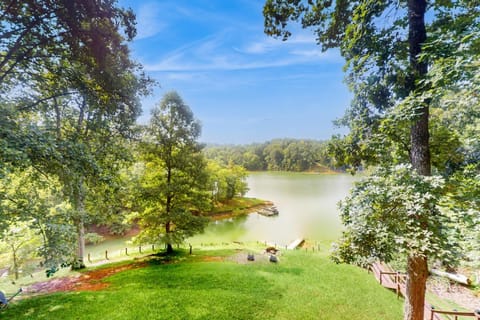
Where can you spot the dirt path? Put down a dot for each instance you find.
(455, 292)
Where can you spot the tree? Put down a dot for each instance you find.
(69, 91)
(21, 243)
(385, 44)
(226, 182)
(36, 204)
(174, 187)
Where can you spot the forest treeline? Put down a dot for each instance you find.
(276, 155)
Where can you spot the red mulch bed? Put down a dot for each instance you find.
(88, 281)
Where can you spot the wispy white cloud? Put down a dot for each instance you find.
(213, 53)
(219, 63)
(148, 21)
(260, 47)
(310, 53)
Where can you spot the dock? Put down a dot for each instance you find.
(295, 244)
(268, 211)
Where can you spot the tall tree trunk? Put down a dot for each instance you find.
(419, 135)
(80, 244)
(417, 271)
(15, 261)
(417, 268)
(167, 231)
(80, 222)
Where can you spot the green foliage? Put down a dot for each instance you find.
(70, 94)
(93, 238)
(226, 182)
(174, 184)
(20, 243)
(463, 199)
(275, 155)
(396, 210)
(29, 197)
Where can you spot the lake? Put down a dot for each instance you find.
(307, 205)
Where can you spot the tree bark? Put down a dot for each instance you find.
(417, 271)
(169, 245)
(417, 268)
(80, 263)
(15, 261)
(419, 135)
(80, 222)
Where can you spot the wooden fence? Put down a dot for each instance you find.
(395, 280)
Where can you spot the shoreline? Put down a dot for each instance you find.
(239, 211)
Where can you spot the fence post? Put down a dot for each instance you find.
(89, 258)
(126, 251)
(106, 254)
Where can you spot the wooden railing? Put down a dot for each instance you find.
(395, 280)
(455, 314)
(389, 278)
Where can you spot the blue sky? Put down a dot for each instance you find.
(242, 85)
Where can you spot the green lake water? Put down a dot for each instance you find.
(307, 205)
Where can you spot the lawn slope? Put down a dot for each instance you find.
(222, 285)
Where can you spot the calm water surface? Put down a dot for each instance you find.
(307, 204)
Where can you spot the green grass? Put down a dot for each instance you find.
(301, 286)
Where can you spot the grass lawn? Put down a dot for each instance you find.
(222, 285)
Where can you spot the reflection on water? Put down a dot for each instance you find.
(307, 204)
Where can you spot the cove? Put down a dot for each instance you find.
(307, 205)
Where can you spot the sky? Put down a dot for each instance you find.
(242, 85)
